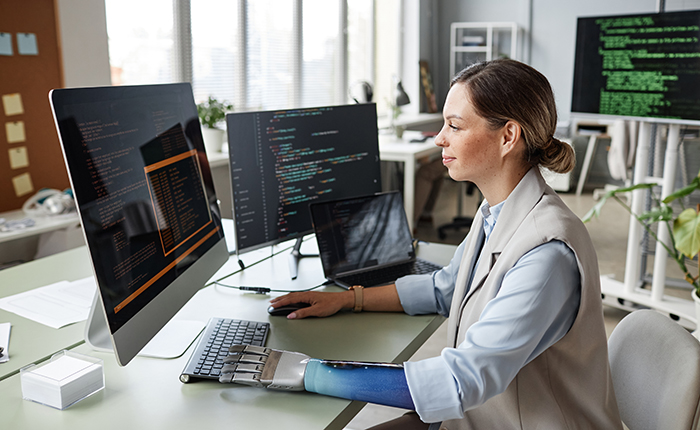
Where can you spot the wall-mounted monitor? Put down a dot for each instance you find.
(283, 160)
(639, 66)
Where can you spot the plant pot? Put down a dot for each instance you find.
(213, 139)
(696, 299)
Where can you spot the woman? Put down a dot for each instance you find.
(527, 346)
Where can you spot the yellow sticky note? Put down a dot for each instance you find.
(12, 104)
(15, 132)
(23, 184)
(18, 157)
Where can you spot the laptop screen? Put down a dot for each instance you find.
(363, 232)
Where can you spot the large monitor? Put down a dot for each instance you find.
(144, 191)
(281, 161)
(639, 66)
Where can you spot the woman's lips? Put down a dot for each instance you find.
(447, 159)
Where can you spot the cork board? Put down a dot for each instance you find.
(30, 66)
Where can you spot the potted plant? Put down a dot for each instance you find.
(212, 114)
(684, 228)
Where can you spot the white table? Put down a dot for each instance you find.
(49, 234)
(403, 150)
(43, 224)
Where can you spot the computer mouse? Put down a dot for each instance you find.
(285, 310)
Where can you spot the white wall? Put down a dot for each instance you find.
(83, 41)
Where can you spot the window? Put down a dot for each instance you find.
(140, 44)
(257, 55)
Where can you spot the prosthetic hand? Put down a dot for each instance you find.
(381, 383)
(264, 367)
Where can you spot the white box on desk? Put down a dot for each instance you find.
(63, 380)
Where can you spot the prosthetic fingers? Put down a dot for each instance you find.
(264, 367)
(381, 383)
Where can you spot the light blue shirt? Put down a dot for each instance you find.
(535, 307)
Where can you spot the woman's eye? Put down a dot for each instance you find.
(453, 127)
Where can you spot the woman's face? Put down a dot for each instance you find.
(471, 150)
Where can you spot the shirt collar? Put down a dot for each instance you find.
(490, 215)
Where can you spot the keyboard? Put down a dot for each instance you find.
(389, 274)
(220, 333)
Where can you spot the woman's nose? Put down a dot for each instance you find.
(440, 138)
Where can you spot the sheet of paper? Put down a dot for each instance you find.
(26, 44)
(15, 132)
(12, 103)
(5, 341)
(18, 157)
(6, 44)
(55, 305)
(23, 184)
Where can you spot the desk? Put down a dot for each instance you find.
(70, 266)
(43, 224)
(403, 150)
(30, 341)
(26, 243)
(148, 394)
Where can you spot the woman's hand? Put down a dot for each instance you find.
(375, 299)
(322, 304)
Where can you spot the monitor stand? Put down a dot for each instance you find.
(295, 256)
(171, 341)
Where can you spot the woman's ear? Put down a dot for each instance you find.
(511, 136)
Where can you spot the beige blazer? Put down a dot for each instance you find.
(569, 385)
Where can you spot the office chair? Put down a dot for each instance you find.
(655, 366)
(460, 221)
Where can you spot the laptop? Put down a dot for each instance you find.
(366, 240)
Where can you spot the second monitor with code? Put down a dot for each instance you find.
(283, 160)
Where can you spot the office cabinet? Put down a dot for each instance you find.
(471, 42)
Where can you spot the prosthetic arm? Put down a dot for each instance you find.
(381, 383)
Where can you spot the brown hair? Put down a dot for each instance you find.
(507, 90)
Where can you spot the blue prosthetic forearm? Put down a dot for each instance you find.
(384, 384)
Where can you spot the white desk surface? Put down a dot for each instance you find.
(43, 224)
(147, 392)
(392, 148)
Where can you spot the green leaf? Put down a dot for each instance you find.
(632, 188)
(595, 210)
(692, 186)
(661, 213)
(686, 232)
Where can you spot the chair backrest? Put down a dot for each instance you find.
(655, 366)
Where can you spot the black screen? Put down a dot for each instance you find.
(644, 66)
(143, 187)
(281, 161)
(362, 232)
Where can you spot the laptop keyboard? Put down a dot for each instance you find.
(387, 275)
(207, 360)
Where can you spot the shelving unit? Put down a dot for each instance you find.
(482, 41)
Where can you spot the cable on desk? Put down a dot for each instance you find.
(267, 290)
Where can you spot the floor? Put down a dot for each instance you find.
(609, 235)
